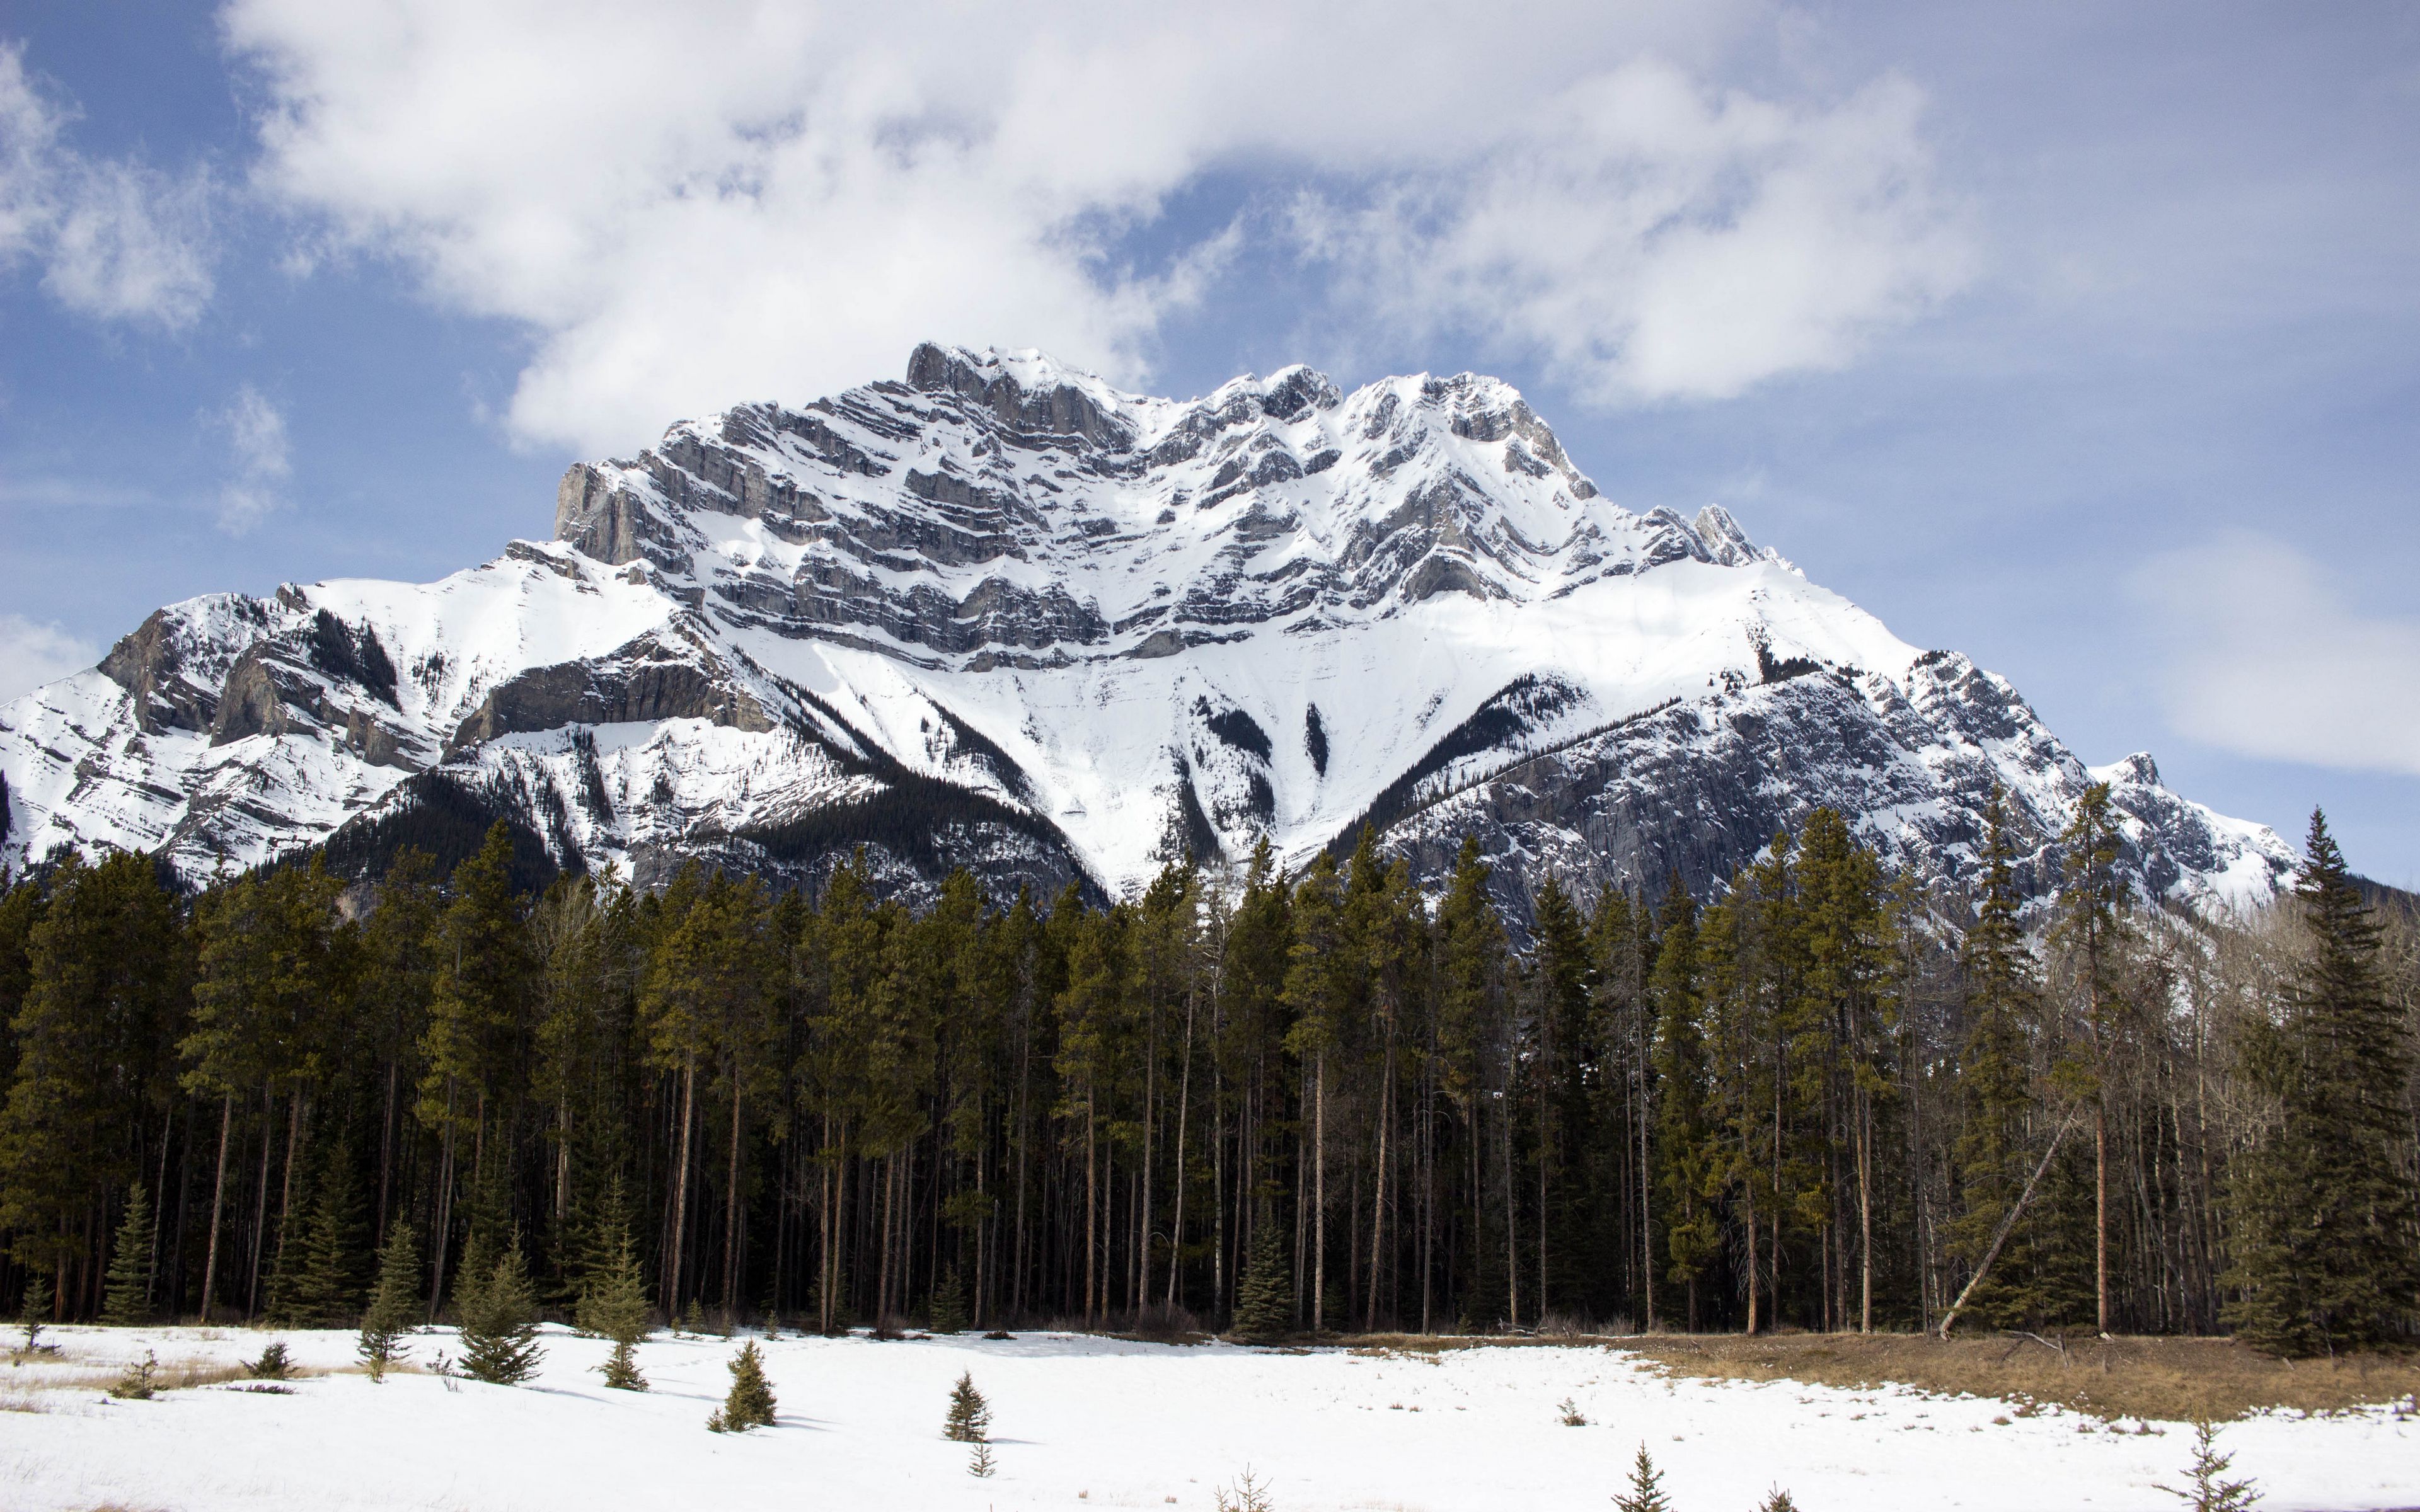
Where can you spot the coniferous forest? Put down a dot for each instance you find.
(1823, 1099)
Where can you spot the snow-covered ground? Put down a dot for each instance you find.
(1090, 1423)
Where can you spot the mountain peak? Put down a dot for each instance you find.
(1004, 614)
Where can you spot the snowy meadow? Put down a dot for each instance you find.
(1088, 1422)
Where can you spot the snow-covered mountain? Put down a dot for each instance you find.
(1003, 616)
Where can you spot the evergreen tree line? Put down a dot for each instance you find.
(1823, 1100)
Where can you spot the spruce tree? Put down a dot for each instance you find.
(970, 1416)
(603, 1249)
(616, 1307)
(2326, 1256)
(126, 1300)
(748, 1404)
(1264, 1301)
(393, 1303)
(1646, 1493)
(326, 1291)
(2206, 1488)
(286, 1271)
(500, 1324)
(950, 1302)
(36, 1310)
(473, 1269)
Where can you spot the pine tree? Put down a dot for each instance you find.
(1778, 1500)
(473, 1269)
(37, 1308)
(748, 1404)
(326, 1291)
(2206, 1489)
(500, 1324)
(393, 1303)
(286, 1271)
(1264, 1301)
(616, 1307)
(602, 1250)
(950, 1302)
(970, 1418)
(127, 1299)
(2326, 1253)
(1990, 1155)
(979, 1463)
(1646, 1493)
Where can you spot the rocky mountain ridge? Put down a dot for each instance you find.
(1000, 614)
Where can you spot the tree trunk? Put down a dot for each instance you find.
(1865, 1211)
(731, 1211)
(444, 1210)
(681, 1189)
(1319, 1195)
(2016, 1210)
(218, 1204)
(2101, 1216)
(260, 1205)
(1378, 1192)
(1184, 1105)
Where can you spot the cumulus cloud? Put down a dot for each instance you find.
(262, 458)
(33, 653)
(1651, 239)
(687, 206)
(2266, 657)
(115, 239)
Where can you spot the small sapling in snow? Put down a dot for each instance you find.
(2206, 1488)
(748, 1404)
(970, 1418)
(139, 1383)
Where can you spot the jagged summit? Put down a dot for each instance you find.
(1003, 614)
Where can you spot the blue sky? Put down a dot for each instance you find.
(2084, 339)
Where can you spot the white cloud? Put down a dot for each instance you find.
(33, 653)
(262, 459)
(1654, 241)
(115, 239)
(688, 206)
(2265, 657)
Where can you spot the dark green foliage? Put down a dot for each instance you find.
(1265, 1302)
(970, 1415)
(1778, 1500)
(1807, 1101)
(1646, 1492)
(748, 1404)
(35, 1310)
(950, 1302)
(140, 1382)
(395, 1301)
(2326, 1257)
(2207, 1488)
(499, 1322)
(614, 1306)
(274, 1364)
(327, 1287)
(443, 819)
(128, 1298)
(108, 968)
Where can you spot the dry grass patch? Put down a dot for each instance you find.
(2171, 1380)
(82, 1375)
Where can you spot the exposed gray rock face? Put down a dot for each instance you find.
(1002, 615)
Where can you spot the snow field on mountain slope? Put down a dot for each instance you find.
(1101, 739)
(1090, 1423)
